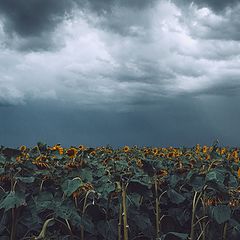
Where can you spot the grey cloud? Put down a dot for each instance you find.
(29, 24)
(216, 5)
(34, 20)
(31, 18)
(206, 23)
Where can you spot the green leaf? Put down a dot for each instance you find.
(2, 170)
(215, 176)
(197, 182)
(221, 213)
(26, 179)
(64, 212)
(105, 188)
(13, 199)
(175, 197)
(86, 174)
(44, 200)
(135, 199)
(175, 236)
(70, 186)
(2, 159)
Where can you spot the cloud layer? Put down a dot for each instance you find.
(119, 55)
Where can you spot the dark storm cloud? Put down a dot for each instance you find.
(216, 5)
(34, 21)
(32, 17)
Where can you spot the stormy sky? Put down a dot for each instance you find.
(97, 72)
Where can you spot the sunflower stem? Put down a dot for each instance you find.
(157, 208)
(124, 205)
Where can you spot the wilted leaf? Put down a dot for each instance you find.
(175, 197)
(70, 186)
(221, 213)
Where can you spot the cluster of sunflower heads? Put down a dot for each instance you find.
(74, 164)
(214, 201)
(82, 190)
(24, 154)
(58, 148)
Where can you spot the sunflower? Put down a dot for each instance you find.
(139, 163)
(235, 154)
(171, 154)
(162, 155)
(18, 159)
(163, 173)
(93, 153)
(58, 148)
(72, 152)
(81, 147)
(208, 157)
(146, 150)
(155, 151)
(23, 148)
(223, 151)
(204, 149)
(126, 149)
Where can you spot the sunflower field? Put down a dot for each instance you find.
(130, 193)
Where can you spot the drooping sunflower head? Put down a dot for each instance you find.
(163, 173)
(139, 163)
(93, 153)
(155, 151)
(162, 155)
(235, 154)
(72, 152)
(81, 147)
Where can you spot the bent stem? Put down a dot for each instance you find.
(44, 229)
(194, 207)
(85, 205)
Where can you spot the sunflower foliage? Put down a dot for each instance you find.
(77, 192)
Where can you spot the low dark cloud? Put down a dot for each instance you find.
(177, 123)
